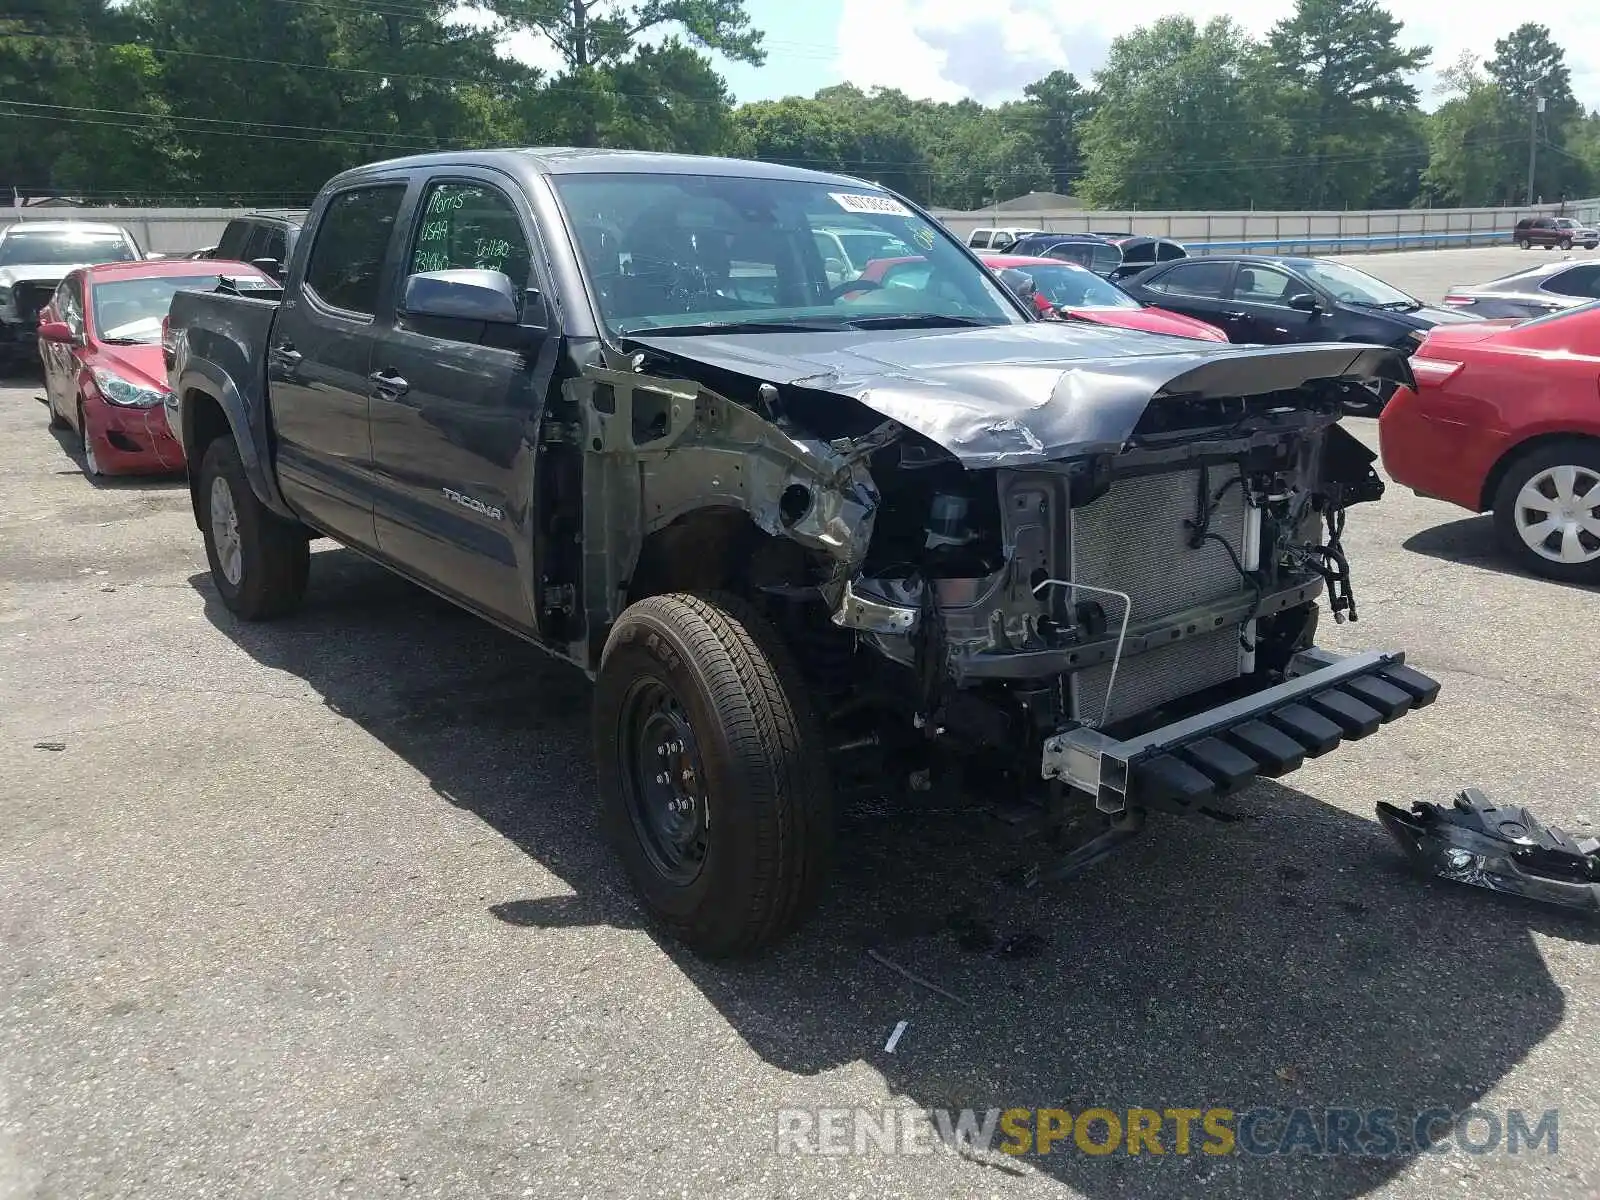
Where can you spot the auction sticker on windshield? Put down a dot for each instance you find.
(876, 205)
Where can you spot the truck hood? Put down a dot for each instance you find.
(1018, 394)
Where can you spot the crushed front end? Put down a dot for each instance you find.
(1076, 560)
(1137, 625)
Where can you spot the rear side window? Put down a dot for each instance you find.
(1580, 281)
(233, 240)
(1167, 251)
(347, 257)
(1203, 279)
(980, 240)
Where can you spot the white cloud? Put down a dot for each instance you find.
(949, 49)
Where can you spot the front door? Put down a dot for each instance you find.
(456, 405)
(1260, 307)
(60, 361)
(318, 362)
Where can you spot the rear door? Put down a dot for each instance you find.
(1197, 288)
(456, 404)
(319, 354)
(1260, 311)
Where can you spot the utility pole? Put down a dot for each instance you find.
(1533, 138)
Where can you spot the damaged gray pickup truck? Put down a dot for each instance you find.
(804, 523)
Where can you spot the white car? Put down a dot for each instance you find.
(998, 239)
(35, 256)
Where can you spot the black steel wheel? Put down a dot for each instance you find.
(714, 788)
(663, 782)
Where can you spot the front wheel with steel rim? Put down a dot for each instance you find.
(259, 561)
(1547, 510)
(713, 783)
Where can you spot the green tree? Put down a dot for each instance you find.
(596, 38)
(1528, 65)
(80, 110)
(1060, 105)
(1472, 155)
(1346, 97)
(1187, 118)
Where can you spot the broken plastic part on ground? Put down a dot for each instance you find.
(1509, 850)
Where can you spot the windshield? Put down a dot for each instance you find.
(25, 247)
(664, 251)
(130, 310)
(1353, 286)
(1069, 286)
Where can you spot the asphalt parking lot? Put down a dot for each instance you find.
(319, 909)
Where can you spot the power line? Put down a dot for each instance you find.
(120, 112)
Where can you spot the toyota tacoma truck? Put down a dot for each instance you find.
(801, 531)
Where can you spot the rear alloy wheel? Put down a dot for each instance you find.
(1547, 511)
(259, 561)
(713, 786)
(1525, 244)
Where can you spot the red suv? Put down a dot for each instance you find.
(1554, 231)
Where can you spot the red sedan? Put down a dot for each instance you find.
(1067, 290)
(1506, 417)
(100, 341)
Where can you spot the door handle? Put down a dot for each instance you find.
(387, 384)
(284, 354)
(1235, 315)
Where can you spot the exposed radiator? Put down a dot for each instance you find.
(1134, 539)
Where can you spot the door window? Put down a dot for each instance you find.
(1263, 285)
(980, 240)
(470, 226)
(347, 257)
(1206, 281)
(1580, 281)
(69, 304)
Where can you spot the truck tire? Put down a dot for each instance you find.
(713, 781)
(259, 561)
(1557, 476)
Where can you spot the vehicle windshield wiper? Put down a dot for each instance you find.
(1389, 305)
(794, 326)
(916, 321)
(127, 341)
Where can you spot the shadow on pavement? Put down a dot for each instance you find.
(1471, 541)
(1284, 959)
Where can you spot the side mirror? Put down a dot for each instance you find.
(1019, 283)
(1305, 302)
(461, 295)
(56, 331)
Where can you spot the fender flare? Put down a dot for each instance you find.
(205, 377)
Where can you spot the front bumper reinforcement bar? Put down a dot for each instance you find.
(1186, 764)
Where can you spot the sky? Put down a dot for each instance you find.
(950, 49)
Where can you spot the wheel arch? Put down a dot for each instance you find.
(1502, 465)
(211, 408)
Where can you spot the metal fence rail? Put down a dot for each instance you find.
(1284, 232)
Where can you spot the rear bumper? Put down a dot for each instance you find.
(1188, 763)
